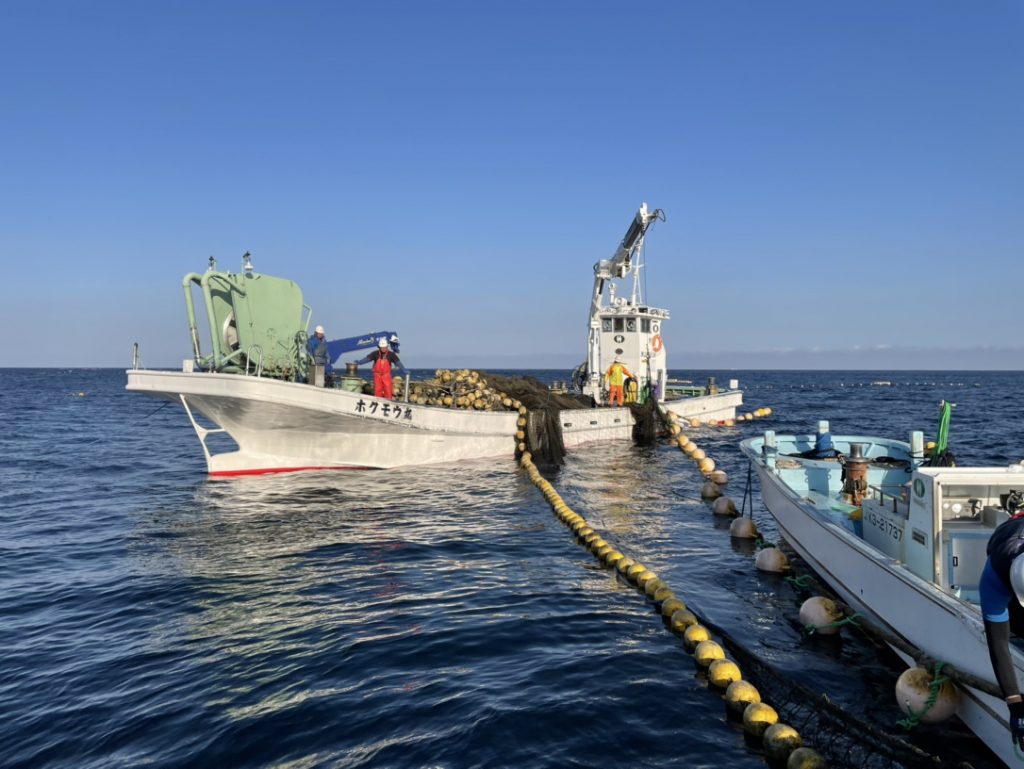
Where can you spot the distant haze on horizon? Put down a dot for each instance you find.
(843, 183)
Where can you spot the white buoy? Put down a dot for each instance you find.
(743, 528)
(724, 506)
(914, 688)
(771, 559)
(710, 490)
(820, 613)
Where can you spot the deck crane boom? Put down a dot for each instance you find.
(625, 260)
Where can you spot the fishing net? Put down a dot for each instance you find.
(544, 433)
(841, 737)
(645, 422)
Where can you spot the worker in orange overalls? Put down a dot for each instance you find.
(616, 375)
(383, 358)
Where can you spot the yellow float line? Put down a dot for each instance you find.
(759, 719)
(704, 463)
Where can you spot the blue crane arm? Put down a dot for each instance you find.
(338, 347)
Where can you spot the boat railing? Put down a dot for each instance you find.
(894, 496)
(259, 361)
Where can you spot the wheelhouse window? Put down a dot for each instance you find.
(645, 325)
(630, 324)
(619, 323)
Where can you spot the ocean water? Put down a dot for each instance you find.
(425, 617)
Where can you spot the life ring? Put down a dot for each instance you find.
(656, 343)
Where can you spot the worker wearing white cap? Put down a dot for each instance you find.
(616, 377)
(383, 358)
(318, 350)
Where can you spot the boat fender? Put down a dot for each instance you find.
(779, 741)
(925, 697)
(771, 559)
(738, 695)
(805, 758)
(819, 614)
(723, 672)
(757, 717)
(743, 528)
(707, 652)
(725, 506)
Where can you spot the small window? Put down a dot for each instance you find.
(606, 324)
(655, 327)
(619, 324)
(645, 325)
(630, 324)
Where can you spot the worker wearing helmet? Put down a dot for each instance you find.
(317, 348)
(383, 359)
(1002, 607)
(616, 376)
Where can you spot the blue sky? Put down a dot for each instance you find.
(841, 180)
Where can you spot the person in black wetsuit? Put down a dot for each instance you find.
(1002, 608)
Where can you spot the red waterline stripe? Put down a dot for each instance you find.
(275, 470)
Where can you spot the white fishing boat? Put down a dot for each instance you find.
(629, 330)
(900, 542)
(258, 387)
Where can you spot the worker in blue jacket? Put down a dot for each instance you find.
(317, 348)
(1002, 608)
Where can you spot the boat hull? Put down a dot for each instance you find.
(281, 426)
(285, 426)
(896, 600)
(718, 407)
